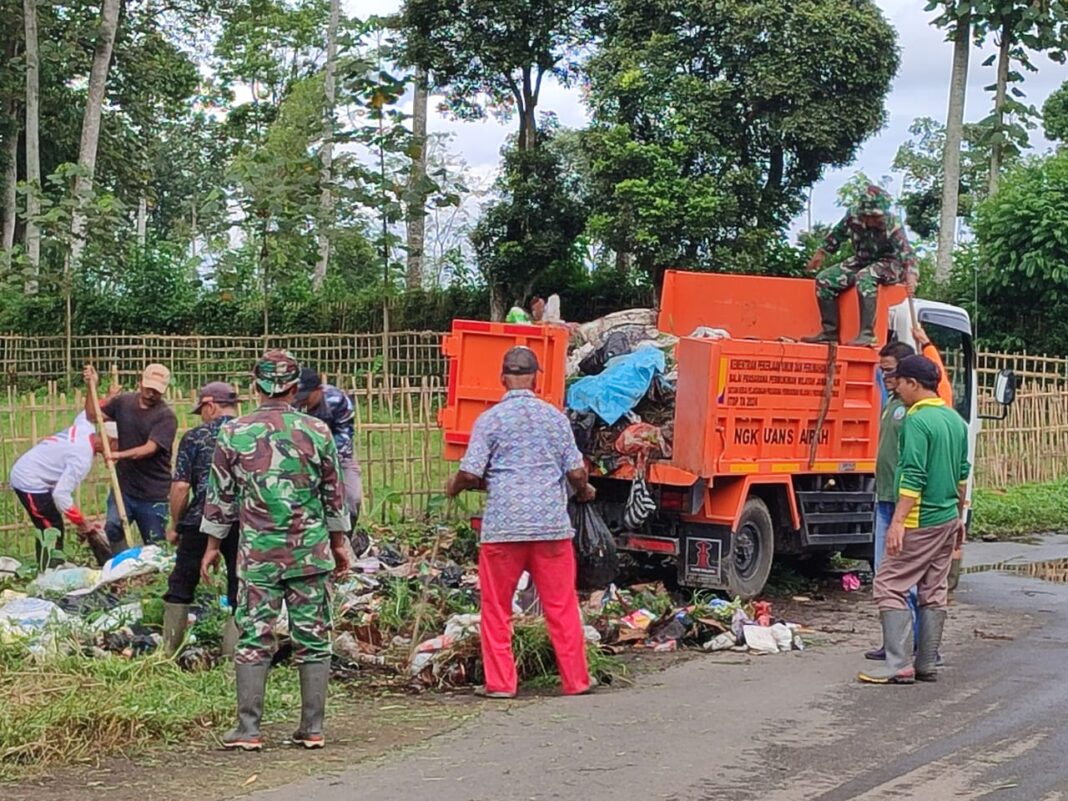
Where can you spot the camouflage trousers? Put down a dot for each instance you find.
(867, 276)
(258, 609)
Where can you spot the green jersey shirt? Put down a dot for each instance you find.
(933, 462)
(889, 442)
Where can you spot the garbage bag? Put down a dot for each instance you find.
(617, 343)
(65, 579)
(640, 505)
(595, 549)
(619, 388)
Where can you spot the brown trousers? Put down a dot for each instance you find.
(923, 563)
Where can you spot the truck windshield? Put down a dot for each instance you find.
(955, 347)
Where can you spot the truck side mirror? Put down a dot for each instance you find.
(1005, 388)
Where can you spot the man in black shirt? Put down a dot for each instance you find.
(216, 404)
(147, 427)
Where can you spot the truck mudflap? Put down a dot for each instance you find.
(704, 559)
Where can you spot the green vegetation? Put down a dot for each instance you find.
(1020, 510)
(79, 708)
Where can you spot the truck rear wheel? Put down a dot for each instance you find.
(752, 549)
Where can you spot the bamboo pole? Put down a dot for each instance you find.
(94, 400)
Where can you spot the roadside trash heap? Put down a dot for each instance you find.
(75, 607)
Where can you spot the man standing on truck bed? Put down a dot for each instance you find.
(881, 255)
(147, 427)
(524, 451)
(927, 526)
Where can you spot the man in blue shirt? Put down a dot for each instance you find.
(523, 451)
(329, 404)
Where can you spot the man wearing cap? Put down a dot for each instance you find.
(523, 451)
(881, 255)
(46, 477)
(216, 405)
(275, 472)
(147, 427)
(927, 526)
(333, 407)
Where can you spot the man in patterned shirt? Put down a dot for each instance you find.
(523, 451)
(276, 473)
(881, 255)
(216, 405)
(333, 407)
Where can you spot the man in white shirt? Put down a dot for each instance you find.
(46, 476)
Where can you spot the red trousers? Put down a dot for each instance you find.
(551, 565)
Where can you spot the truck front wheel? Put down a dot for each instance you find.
(752, 549)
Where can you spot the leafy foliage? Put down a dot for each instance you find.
(1055, 115)
(711, 120)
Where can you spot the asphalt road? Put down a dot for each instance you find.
(785, 728)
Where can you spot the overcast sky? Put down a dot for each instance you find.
(920, 90)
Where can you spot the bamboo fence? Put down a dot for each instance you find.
(397, 399)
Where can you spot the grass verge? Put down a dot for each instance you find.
(79, 708)
(1019, 510)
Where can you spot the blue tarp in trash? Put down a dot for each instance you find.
(617, 390)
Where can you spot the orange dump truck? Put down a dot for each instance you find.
(774, 442)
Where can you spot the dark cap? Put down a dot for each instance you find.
(520, 361)
(310, 380)
(920, 369)
(218, 391)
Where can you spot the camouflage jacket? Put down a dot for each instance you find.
(871, 244)
(276, 472)
(336, 411)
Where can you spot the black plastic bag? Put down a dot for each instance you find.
(595, 549)
(617, 343)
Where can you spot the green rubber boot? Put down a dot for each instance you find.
(314, 676)
(251, 686)
(931, 622)
(869, 308)
(897, 640)
(175, 621)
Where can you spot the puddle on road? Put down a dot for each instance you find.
(1055, 570)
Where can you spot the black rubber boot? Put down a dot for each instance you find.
(869, 307)
(897, 640)
(931, 622)
(251, 686)
(830, 319)
(314, 677)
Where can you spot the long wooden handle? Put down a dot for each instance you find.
(105, 443)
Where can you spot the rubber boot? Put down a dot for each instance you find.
(954, 573)
(897, 640)
(251, 686)
(869, 307)
(175, 621)
(314, 676)
(829, 316)
(931, 622)
(230, 636)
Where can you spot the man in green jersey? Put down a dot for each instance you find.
(276, 473)
(927, 525)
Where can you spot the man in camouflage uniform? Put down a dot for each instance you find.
(881, 255)
(276, 472)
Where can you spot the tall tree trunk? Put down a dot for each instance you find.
(997, 151)
(958, 86)
(94, 105)
(528, 121)
(11, 166)
(11, 178)
(142, 221)
(33, 145)
(498, 303)
(326, 152)
(416, 222)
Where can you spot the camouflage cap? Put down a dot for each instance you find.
(276, 372)
(875, 202)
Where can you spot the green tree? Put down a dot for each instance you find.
(710, 120)
(494, 55)
(1023, 248)
(532, 227)
(1055, 115)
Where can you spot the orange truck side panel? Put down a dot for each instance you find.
(723, 505)
(474, 350)
(757, 307)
